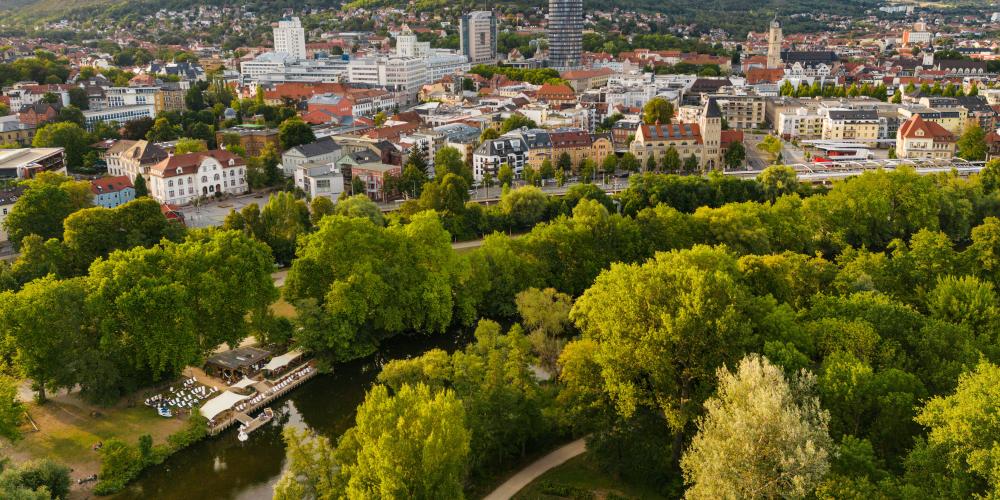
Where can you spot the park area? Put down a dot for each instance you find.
(581, 478)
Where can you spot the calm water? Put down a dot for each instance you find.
(223, 468)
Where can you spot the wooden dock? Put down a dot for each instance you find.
(235, 416)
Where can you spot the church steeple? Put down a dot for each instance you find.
(774, 38)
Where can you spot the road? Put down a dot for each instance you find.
(528, 474)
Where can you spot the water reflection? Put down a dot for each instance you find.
(223, 468)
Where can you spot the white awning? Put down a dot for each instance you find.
(220, 403)
(283, 360)
(245, 382)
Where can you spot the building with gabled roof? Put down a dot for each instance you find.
(918, 138)
(181, 179)
(110, 192)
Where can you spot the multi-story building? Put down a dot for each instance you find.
(290, 38)
(565, 33)
(373, 177)
(408, 46)
(400, 74)
(117, 97)
(320, 152)
(917, 138)
(742, 111)
(702, 140)
(12, 131)
(508, 149)
(180, 179)
(860, 125)
(576, 143)
(119, 115)
(800, 123)
(319, 179)
(478, 37)
(110, 192)
(169, 97)
(134, 158)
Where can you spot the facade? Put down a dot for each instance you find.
(134, 158)
(110, 192)
(565, 33)
(8, 197)
(319, 179)
(860, 125)
(799, 123)
(320, 152)
(774, 45)
(290, 38)
(119, 115)
(582, 80)
(373, 176)
(576, 143)
(408, 46)
(743, 111)
(396, 73)
(180, 179)
(478, 36)
(490, 155)
(170, 97)
(12, 131)
(917, 138)
(117, 97)
(703, 140)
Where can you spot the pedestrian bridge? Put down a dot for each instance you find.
(825, 172)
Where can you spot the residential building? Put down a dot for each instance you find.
(373, 176)
(36, 114)
(860, 125)
(319, 179)
(110, 192)
(8, 196)
(117, 97)
(169, 97)
(478, 37)
(320, 152)
(576, 143)
(12, 131)
(253, 138)
(25, 163)
(508, 149)
(180, 179)
(582, 80)
(742, 111)
(134, 158)
(290, 38)
(565, 33)
(918, 138)
(556, 94)
(800, 123)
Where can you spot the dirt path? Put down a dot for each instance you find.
(528, 474)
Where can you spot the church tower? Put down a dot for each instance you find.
(711, 136)
(774, 45)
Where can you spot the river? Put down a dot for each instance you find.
(222, 468)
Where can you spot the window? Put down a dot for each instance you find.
(170, 183)
(216, 176)
(171, 194)
(204, 178)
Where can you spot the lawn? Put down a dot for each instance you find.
(580, 477)
(283, 309)
(69, 427)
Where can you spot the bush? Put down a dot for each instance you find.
(120, 463)
(35, 475)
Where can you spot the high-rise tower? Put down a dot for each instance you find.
(774, 45)
(290, 38)
(565, 33)
(478, 35)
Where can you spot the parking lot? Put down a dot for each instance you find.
(212, 213)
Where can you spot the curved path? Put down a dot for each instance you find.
(528, 474)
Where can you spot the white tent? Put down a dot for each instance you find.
(220, 403)
(246, 382)
(283, 360)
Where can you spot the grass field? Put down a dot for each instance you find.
(580, 477)
(283, 309)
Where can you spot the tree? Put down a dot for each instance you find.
(425, 459)
(972, 144)
(489, 134)
(897, 97)
(71, 114)
(283, 220)
(610, 164)
(778, 180)
(735, 154)
(670, 162)
(963, 429)
(657, 110)
(186, 145)
(448, 160)
(43, 207)
(194, 99)
(11, 409)
(163, 131)
(140, 186)
(546, 171)
(546, 314)
(294, 132)
(380, 118)
(78, 98)
(358, 187)
(516, 121)
(506, 175)
(691, 164)
(564, 162)
(659, 344)
(629, 163)
(70, 136)
(46, 345)
(40, 479)
(320, 207)
(771, 145)
(138, 128)
(524, 206)
(761, 436)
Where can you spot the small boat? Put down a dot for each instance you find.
(164, 412)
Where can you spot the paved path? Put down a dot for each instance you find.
(536, 469)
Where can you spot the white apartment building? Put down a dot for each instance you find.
(119, 115)
(800, 123)
(320, 179)
(290, 38)
(490, 155)
(400, 74)
(441, 63)
(321, 151)
(408, 46)
(180, 179)
(116, 97)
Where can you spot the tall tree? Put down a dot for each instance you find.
(294, 132)
(972, 144)
(68, 135)
(45, 204)
(761, 436)
(658, 110)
